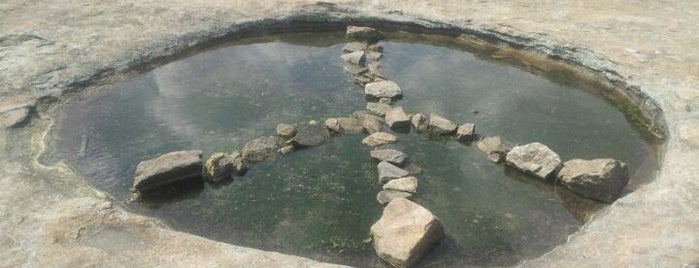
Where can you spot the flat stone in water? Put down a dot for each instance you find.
(389, 155)
(260, 149)
(440, 125)
(534, 158)
(599, 179)
(405, 184)
(383, 89)
(386, 196)
(388, 171)
(311, 135)
(396, 118)
(379, 138)
(168, 168)
(494, 147)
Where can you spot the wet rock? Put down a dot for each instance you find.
(168, 168)
(286, 131)
(413, 169)
(367, 34)
(311, 135)
(387, 196)
(379, 138)
(382, 89)
(465, 132)
(419, 122)
(378, 108)
(354, 46)
(599, 179)
(385, 100)
(396, 118)
(13, 117)
(388, 171)
(495, 148)
(356, 58)
(355, 70)
(440, 126)
(260, 149)
(534, 158)
(374, 55)
(221, 166)
(375, 70)
(333, 124)
(405, 184)
(375, 47)
(286, 149)
(345, 124)
(371, 123)
(405, 233)
(389, 155)
(363, 79)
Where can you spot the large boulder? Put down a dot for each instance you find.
(494, 147)
(168, 168)
(440, 126)
(311, 135)
(388, 171)
(260, 149)
(466, 132)
(392, 156)
(220, 166)
(359, 33)
(534, 158)
(396, 118)
(382, 89)
(386, 196)
(405, 233)
(599, 179)
(405, 184)
(379, 138)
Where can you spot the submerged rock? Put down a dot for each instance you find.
(168, 168)
(367, 34)
(392, 156)
(388, 171)
(534, 158)
(356, 58)
(379, 138)
(379, 108)
(386, 196)
(494, 147)
(599, 179)
(260, 149)
(420, 122)
(349, 124)
(220, 166)
(405, 184)
(396, 118)
(440, 126)
(465, 132)
(405, 233)
(382, 89)
(311, 135)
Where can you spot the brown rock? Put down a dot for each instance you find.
(168, 168)
(599, 179)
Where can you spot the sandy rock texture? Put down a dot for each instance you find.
(646, 50)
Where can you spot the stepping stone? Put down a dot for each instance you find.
(378, 107)
(368, 34)
(354, 46)
(405, 184)
(379, 138)
(311, 135)
(599, 179)
(386, 196)
(260, 149)
(396, 118)
(534, 158)
(420, 122)
(286, 131)
(220, 166)
(494, 147)
(440, 126)
(168, 168)
(382, 89)
(389, 155)
(356, 58)
(388, 171)
(465, 132)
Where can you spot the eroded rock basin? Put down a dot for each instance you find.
(322, 207)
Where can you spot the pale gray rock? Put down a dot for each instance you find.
(354, 46)
(392, 156)
(286, 131)
(374, 55)
(350, 124)
(355, 58)
(534, 158)
(388, 171)
(333, 124)
(465, 132)
(494, 147)
(311, 135)
(220, 166)
(405, 184)
(375, 47)
(440, 126)
(405, 233)
(375, 69)
(355, 70)
(379, 138)
(14, 117)
(420, 122)
(286, 149)
(387, 196)
(599, 179)
(168, 168)
(378, 107)
(359, 33)
(396, 118)
(260, 149)
(382, 89)
(371, 123)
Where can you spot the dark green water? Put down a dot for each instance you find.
(320, 202)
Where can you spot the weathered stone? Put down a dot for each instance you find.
(168, 168)
(405, 184)
(388, 171)
(349, 124)
(534, 158)
(599, 179)
(363, 79)
(382, 89)
(440, 126)
(405, 233)
(260, 149)
(355, 70)
(494, 147)
(396, 118)
(420, 122)
(378, 108)
(286, 149)
(387, 196)
(311, 135)
(379, 138)
(371, 123)
(375, 69)
(389, 155)
(333, 124)
(375, 47)
(286, 131)
(367, 34)
(354, 46)
(465, 132)
(13, 117)
(221, 165)
(356, 58)
(374, 55)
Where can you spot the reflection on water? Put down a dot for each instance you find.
(320, 202)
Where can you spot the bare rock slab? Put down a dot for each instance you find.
(396, 118)
(386, 196)
(599, 179)
(220, 166)
(534, 158)
(440, 126)
(465, 132)
(311, 135)
(392, 156)
(168, 168)
(405, 233)
(405, 184)
(379, 138)
(382, 89)
(495, 148)
(260, 149)
(368, 34)
(388, 171)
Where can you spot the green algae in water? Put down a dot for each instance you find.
(320, 202)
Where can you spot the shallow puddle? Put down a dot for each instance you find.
(320, 202)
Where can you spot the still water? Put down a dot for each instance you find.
(320, 202)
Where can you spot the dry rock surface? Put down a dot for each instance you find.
(599, 179)
(534, 158)
(168, 168)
